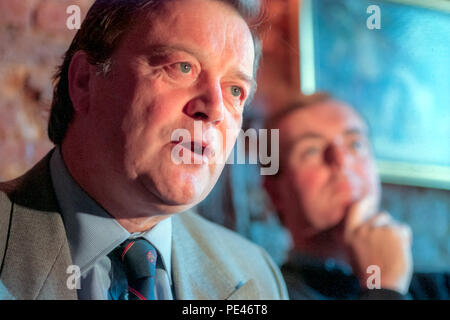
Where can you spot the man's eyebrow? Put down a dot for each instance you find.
(161, 50)
(245, 77)
(306, 136)
(352, 131)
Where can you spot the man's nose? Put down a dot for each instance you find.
(208, 106)
(336, 156)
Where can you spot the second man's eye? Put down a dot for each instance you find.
(311, 151)
(185, 67)
(356, 144)
(236, 91)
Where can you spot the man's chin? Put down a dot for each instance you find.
(180, 195)
(337, 229)
(175, 207)
(335, 221)
(180, 200)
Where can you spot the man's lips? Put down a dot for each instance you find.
(203, 149)
(195, 147)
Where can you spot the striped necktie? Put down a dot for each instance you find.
(139, 259)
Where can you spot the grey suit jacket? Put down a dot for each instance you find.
(208, 261)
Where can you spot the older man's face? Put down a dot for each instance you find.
(195, 62)
(328, 164)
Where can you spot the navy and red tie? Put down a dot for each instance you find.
(139, 259)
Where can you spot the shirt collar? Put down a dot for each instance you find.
(91, 232)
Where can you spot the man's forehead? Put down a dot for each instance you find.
(195, 25)
(322, 119)
(190, 17)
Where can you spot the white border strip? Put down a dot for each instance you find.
(306, 41)
(419, 175)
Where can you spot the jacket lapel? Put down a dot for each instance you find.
(37, 255)
(195, 275)
(245, 291)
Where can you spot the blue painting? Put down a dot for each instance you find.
(397, 76)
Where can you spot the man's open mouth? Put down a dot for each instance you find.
(201, 152)
(195, 147)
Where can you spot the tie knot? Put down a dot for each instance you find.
(139, 258)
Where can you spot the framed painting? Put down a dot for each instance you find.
(391, 61)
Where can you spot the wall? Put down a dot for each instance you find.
(427, 211)
(33, 38)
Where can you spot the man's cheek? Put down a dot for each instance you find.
(305, 185)
(369, 177)
(235, 118)
(228, 132)
(310, 179)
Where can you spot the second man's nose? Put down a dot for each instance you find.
(335, 156)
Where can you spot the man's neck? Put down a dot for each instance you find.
(132, 214)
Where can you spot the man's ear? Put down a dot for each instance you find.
(79, 79)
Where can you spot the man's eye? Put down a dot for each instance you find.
(183, 73)
(356, 144)
(185, 67)
(311, 151)
(236, 91)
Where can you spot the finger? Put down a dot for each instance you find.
(381, 220)
(359, 213)
(406, 232)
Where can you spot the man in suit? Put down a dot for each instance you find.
(110, 200)
(327, 193)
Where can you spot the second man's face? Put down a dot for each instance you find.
(195, 63)
(328, 164)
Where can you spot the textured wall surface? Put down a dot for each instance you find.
(33, 38)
